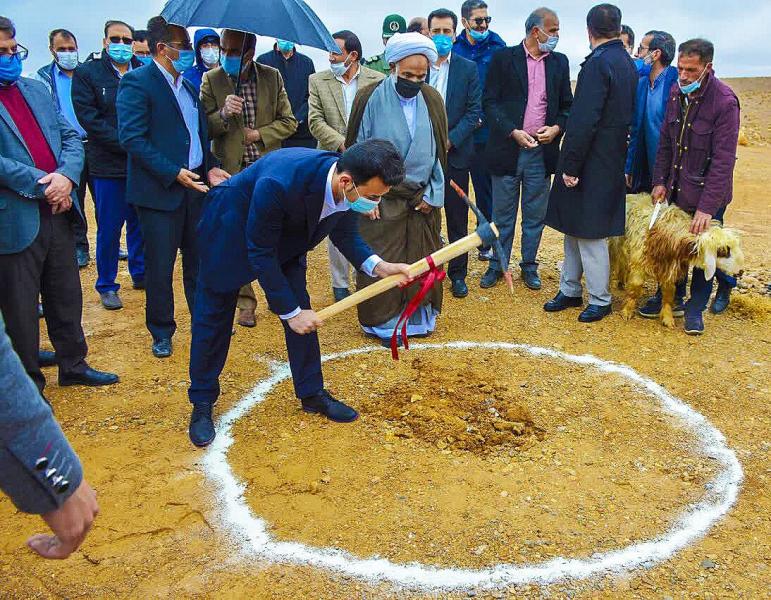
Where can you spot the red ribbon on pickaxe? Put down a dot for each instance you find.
(428, 280)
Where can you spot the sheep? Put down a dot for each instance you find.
(667, 252)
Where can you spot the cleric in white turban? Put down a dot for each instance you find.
(409, 113)
(402, 45)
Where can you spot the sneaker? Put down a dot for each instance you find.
(490, 278)
(721, 301)
(652, 308)
(694, 324)
(485, 254)
(111, 301)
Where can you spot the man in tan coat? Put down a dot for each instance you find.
(331, 98)
(245, 126)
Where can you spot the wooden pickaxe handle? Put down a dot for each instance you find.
(441, 256)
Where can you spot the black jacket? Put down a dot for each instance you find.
(505, 101)
(295, 73)
(94, 89)
(594, 148)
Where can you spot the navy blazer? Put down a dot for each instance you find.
(20, 192)
(152, 131)
(464, 109)
(268, 216)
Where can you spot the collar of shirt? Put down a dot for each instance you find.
(330, 206)
(444, 62)
(114, 68)
(341, 80)
(176, 85)
(529, 55)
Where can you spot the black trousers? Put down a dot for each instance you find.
(300, 143)
(456, 212)
(46, 268)
(166, 232)
(80, 226)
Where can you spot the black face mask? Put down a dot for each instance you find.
(408, 89)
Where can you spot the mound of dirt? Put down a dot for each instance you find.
(457, 410)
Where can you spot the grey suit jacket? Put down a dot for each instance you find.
(327, 117)
(29, 432)
(20, 191)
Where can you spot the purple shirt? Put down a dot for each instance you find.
(537, 101)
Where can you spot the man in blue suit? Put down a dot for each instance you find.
(457, 80)
(260, 225)
(41, 157)
(162, 127)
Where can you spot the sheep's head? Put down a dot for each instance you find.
(719, 248)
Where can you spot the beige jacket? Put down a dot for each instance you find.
(274, 121)
(327, 118)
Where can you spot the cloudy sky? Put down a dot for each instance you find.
(738, 33)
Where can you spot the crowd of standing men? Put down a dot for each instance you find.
(163, 119)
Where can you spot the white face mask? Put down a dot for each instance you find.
(210, 56)
(67, 60)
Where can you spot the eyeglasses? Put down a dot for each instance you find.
(641, 49)
(478, 21)
(142, 53)
(117, 39)
(179, 45)
(20, 51)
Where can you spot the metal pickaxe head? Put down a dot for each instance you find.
(487, 235)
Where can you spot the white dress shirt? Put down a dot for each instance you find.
(409, 108)
(349, 91)
(439, 77)
(329, 208)
(189, 109)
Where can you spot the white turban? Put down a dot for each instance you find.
(402, 45)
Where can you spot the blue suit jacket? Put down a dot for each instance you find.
(464, 109)
(268, 216)
(20, 193)
(152, 131)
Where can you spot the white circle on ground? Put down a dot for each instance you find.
(693, 522)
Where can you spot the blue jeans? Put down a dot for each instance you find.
(480, 177)
(532, 180)
(113, 211)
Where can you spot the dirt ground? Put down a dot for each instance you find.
(572, 462)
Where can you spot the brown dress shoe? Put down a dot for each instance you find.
(246, 317)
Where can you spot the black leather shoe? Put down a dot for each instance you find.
(594, 312)
(721, 301)
(162, 348)
(122, 254)
(324, 404)
(490, 278)
(46, 358)
(90, 377)
(111, 301)
(561, 302)
(201, 428)
(340, 293)
(459, 288)
(81, 255)
(531, 279)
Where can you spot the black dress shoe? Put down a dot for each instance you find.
(81, 255)
(561, 302)
(324, 404)
(531, 280)
(201, 428)
(90, 377)
(490, 278)
(111, 301)
(721, 301)
(162, 348)
(459, 288)
(594, 312)
(46, 358)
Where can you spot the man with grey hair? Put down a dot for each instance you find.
(651, 101)
(527, 101)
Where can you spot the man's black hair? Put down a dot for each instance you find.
(66, 34)
(158, 32)
(109, 24)
(443, 13)
(7, 27)
(373, 158)
(699, 47)
(664, 43)
(141, 35)
(604, 21)
(351, 42)
(471, 5)
(629, 33)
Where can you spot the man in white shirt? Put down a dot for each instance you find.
(331, 98)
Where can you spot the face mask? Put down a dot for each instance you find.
(692, 87)
(285, 46)
(145, 60)
(550, 44)
(478, 35)
(648, 59)
(443, 44)
(120, 53)
(340, 69)
(210, 56)
(10, 69)
(231, 64)
(406, 88)
(362, 205)
(185, 60)
(67, 60)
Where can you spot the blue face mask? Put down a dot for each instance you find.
(185, 60)
(479, 36)
(443, 44)
(145, 60)
(231, 64)
(362, 205)
(285, 46)
(67, 60)
(642, 68)
(10, 69)
(550, 44)
(692, 87)
(120, 53)
(340, 69)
